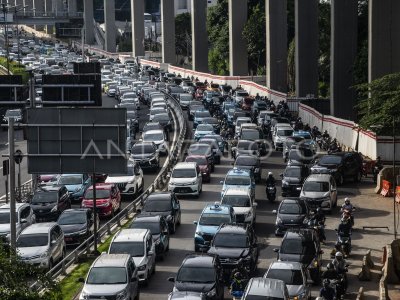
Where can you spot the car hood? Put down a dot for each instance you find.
(44, 205)
(246, 167)
(174, 180)
(5, 228)
(73, 187)
(229, 252)
(304, 259)
(120, 179)
(292, 179)
(201, 132)
(142, 156)
(155, 213)
(241, 210)
(295, 290)
(73, 228)
(314, 195)
(203, 167)
(207, 229)
(194, 286)
(103, 289)
(31, 251)
(292, 219)
(139, 261)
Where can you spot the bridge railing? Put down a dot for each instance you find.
(60, 14)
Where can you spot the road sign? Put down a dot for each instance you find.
(78, 140)
(18, 156)
(6, 167)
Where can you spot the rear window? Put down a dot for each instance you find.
(316, 186)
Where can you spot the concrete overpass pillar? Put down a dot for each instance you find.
(58, 7)
(383, 38)
(72, 7)
(39, 10)
(137, 8)
(238, 61)
(88, 21)
(168, 31)
(110, 28)
(344, 14)
(306, 57)
(28, 6)
(276, 42)
(199, 36)
(48, 7)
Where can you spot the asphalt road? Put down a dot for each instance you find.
(182, 242)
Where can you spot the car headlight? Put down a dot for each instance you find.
(54, 209)
(278, 221)
(44, 254)
(142, 268)
(194, 182)
(122, 295)
(212, 293)
(81, 232)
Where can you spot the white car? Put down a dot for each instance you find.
(129, 184)
(158, 137)
(243, 204)
(41, 244)
(186, 179)
(139, 244)
(281, 132)
(24, 215)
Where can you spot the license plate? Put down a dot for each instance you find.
(68, 239)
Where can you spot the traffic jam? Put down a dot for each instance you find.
(232, 136)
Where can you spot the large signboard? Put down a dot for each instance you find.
(12, 91)
(76, 140)
(71, 90)
(7, 18)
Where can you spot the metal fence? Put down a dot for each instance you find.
(159, 183)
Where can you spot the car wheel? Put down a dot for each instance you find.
(51, 264)
(196, 249)
(179, 219)
(153, 271)
(173, 229)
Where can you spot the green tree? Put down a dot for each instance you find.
(380, 103)
(291, 67)
(183, 34)
(324, 41)
(17, 276)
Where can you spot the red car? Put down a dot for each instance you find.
(204, 165)
(247, 103)
(108, 199)
(199, 94)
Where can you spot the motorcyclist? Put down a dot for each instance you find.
(258, 97)
(307, 127)
(340, 265)
(325, 134)
(319, 217)
(237, 283)
(350, 208)
(330, 272)
(270, 179)
(377, 168)
(327, 292)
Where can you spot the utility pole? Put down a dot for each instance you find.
(11, 149)
(5, 11)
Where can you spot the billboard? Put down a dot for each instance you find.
(12, 91)
(76, 140)
(71, 90)
(87, 68)
(7, 18)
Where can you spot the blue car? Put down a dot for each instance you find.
(308, 140)
(199, 115)
(239, 178)
(212, 216)
(76, 185)
(202, 130)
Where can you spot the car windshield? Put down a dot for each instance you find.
(150, 137)
(129, 172)
(199, 149)
(215, 137)
(44, 197)
(214, 219)
(157, 205)
(284, 132)
(246, 161)
(70, 180)
(202, 114)
(316, 186)
(196, 274)
(238, 201)
(142, 149)
(297, 246)
(231, 240)
(250, 135)
(32, 240)
(330, 160)
(292, 172)
(5, 217)
(100, 194)
(107, 275)
(290, 277)
(152, 226)
(70, 218)
(183, 173)
(292, 209)
(242, 94)
(205, 127)
(237, 180)
(198, 160)
(135, 249)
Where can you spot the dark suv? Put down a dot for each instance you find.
(49, 202)
(291, 213)
(159, 230)
(146, 154)
(200, 273)
(292, 180)
(341, 166)
(232, 243)
(302, 246)
(249, 162)
(164, 204)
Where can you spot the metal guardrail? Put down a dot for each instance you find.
(112, 225)
(22, 193)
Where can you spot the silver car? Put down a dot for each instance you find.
(24, 218)
(111, 276)
(295, 277)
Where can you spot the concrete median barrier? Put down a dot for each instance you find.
(360, 294)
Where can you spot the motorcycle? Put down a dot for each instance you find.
(339, 286)
(343, 244)
(348, 214)
(318, 227)
(271, 192)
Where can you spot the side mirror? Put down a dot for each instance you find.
(53, 242)
(23, 221)
(171, 279)
(81, 279)
(276, 250)
(274, 211)
(195, 222)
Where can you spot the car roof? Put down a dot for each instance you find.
(153, 131)
(7, 206)
(237, 172)
(39, 228)
(232, 228)
(185, 165)
(286, 265)
(147, 219)
(198, 260)
(217, 208)
(303, 234)
(237, 191)
(102, 186)
(259, 286)
(49, 188)
(111, 260)
(319, 177)
(160, 196)
(186, 296)
(131, 235)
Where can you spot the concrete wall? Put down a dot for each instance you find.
(110, 28)
(88, 25)
(137, 8)
(199, 36)
(168, 31)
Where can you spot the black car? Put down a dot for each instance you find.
(49, 202)
(290, 214)
(249, 162)
(245, 147)
(77, 224)
(165, 121)
(292, 180)
(200, 273)
(233, 243)
(164, 204)
(302, 246)
(288, 144)
(341, 166)
(159, 229)
(300, 156)
(146, 154)
(255, 135)
(214, 147)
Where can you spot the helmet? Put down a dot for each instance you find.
(237, 275)
(329, 266)
(347, 201)
(339, 255)
(270, 174)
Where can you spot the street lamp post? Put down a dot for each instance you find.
(5, 11)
